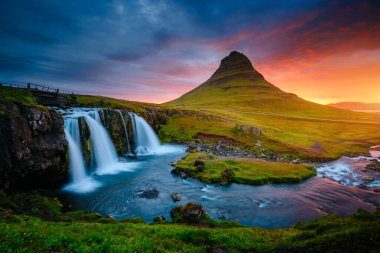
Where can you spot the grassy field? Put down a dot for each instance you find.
(290, 137)
(33, 223)
(242, 170)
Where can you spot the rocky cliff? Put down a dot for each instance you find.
(33, 148)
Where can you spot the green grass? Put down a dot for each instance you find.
(244, 170)
(21, 233)
(107, 102)
(11, 95)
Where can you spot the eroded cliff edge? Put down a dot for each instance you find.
(33, 147)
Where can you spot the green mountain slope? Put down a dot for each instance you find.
(238, 95)
(237, 86)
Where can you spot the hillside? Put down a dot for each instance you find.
(237, 86)
(356, 106)
(237, 99)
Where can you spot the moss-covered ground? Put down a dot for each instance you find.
(45, 228)
(213, 169)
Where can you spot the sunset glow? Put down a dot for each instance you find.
(323, 51)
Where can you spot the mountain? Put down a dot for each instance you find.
(356, 106)
(237, 85)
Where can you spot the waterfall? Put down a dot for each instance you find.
(80, 181)
(146, 139)
(104, 150)
(103, 153)
(125, 131)
(78, 172)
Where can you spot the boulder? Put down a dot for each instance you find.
(151, 193)
(199, 165)
(226, 176)
(192, 212)
(176, 197)
(158, 219)
(178, 172)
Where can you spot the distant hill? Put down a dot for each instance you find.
(237, 85)
(356, 106)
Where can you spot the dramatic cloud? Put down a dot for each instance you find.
(155, 50)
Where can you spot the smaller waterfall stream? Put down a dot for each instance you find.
(78, 172)
(146, 139)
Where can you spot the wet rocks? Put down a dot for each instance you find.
(192, 212)
(199, 165)
(176, 197)
(374, 165)
(179, 172)
(219, 149)
(159, 219)
(151, 193)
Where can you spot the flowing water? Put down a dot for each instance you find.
(342, 186)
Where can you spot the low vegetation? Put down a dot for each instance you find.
(12, 95)
(9, 96)
(223, 170)
(106, 102)
(51, 230)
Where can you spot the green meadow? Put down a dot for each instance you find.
(216, 170)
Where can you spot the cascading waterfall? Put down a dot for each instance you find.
(103, 152)
(125, 131)
(80, 181)
(146, 139)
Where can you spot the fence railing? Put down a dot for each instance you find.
(37, 87)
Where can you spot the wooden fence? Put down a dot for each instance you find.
(37, 87)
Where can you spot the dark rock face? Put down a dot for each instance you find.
(113, 122)
(156, 117)
(33, 148)
(86, 142)
(192, 212)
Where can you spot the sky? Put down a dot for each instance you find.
(156, 50)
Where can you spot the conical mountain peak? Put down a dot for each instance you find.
(235, 63)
